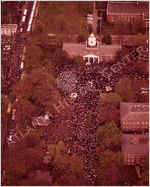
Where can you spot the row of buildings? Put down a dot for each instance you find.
(128, 12)
(134, 118)
(124, 12)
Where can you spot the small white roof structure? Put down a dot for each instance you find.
(73, 95)
(108, 88)
(40, 121)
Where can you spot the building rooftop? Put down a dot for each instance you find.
(40, 121)
(135, 144)
(134, 116)
(128, 39)
(134, 148)
(8, 29)
(76, 49)
(129, 8)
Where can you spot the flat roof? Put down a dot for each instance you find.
(128, 8)
(134, 116)
(81, 50)
(135, 144)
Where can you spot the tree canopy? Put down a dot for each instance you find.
(106, 39)
(109, 137)
(145, 170)
(108, 107)
(109, 98)
(38, 90)
(124, 89)
(64, 164)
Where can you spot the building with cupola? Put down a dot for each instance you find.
(92, 51)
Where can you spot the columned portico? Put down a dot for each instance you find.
(91, 59)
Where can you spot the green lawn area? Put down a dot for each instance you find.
(124, 29)
(117, 29)
(63, 18)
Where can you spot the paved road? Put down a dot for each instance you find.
(15, 73)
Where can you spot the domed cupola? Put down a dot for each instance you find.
(92, 43)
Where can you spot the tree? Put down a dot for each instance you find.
(108, 105)
(141, 97)
(140, 38)
(145, 171)
(33, 61)
(85, 7)
(78, 61)
(138, 27)
(101, 4)
(108, 136)
(90, 29)
(4, 119)
(68, 180)
(106, 39)
(53, 151)
(15, 170)
(19, 162)
(113, 172)
(81, 38)
(109, 98)
(5, 102)
(109, 158)
(64, 164)
(36, 95)
(140, 68)
(60, 57)
(31, 140)
(110, 175)
(124, 89)
(33, 158)
(107, 112)
(38, 90)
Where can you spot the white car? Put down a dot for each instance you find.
(10, 137)
(21, 65)
(13, 114)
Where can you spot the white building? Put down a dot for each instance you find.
(92, 51)
(8, 29)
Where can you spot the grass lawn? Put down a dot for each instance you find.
(63, 18)
(117, 29)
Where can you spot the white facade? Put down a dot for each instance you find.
(91, 59)
(92, 43)
(8, 29)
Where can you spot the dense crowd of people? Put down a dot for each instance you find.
(78, 130)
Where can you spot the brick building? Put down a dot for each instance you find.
(134, 148)
(135, 125)
(127, 12)
(134, 116)
(8, 29)
(92, 51)
(129, 40)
